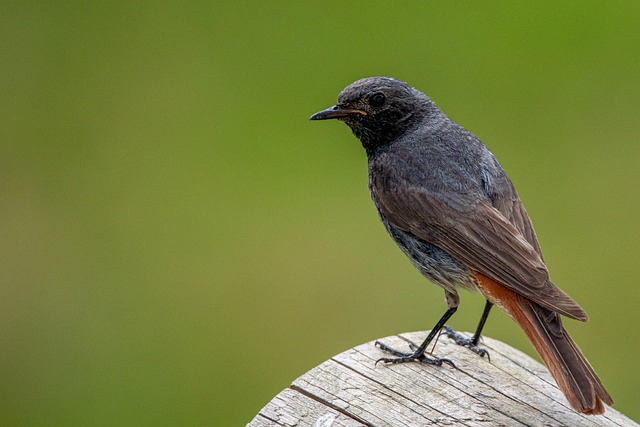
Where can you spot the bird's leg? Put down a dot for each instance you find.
(471, 343)
(418, 354)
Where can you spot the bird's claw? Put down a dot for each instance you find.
(465, 342)
(415, 356)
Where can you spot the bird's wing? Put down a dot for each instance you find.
(511, 207)
(480, 237)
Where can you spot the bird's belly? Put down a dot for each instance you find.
(435, 264)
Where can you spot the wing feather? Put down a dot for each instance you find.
(501, 247)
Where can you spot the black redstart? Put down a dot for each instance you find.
(450, 207)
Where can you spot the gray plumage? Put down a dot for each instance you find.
(451, 208)
(444, 198)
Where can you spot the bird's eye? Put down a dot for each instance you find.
(377, 99)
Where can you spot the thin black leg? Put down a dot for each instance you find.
(483, 320)
(418, 354)
(472, 343)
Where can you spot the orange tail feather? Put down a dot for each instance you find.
(568, 366)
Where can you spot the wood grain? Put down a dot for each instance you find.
(350, 390)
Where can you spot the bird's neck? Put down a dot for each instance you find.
(386, 133)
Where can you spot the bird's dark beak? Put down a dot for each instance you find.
(336, 112)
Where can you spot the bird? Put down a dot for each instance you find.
(449, 205)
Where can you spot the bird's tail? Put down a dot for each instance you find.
(568, 366)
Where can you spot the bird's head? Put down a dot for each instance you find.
(378, 109)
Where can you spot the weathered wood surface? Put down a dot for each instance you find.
(350, 390)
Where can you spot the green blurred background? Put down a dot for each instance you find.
(179, 242)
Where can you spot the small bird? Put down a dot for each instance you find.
(450, 207)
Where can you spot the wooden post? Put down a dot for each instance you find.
(350, 390)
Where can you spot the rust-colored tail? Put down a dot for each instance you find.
(571, 370)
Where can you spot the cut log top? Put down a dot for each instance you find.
(350, 390)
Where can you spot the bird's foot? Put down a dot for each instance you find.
(415, 356)
(470, 343)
